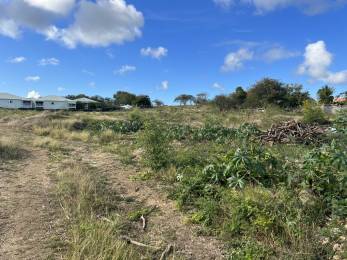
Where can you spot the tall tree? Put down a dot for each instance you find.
(184, 99)
(143, 101)
(201, 98)
(238, 98)
(124, 98)
(326, 95)
(266, 91)
(158, 103)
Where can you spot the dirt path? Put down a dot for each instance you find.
(168, 225)
(26, 214)
(25, 207)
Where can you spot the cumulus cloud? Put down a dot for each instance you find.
(102, 23)
(95, 23)
(279, 53)
(156, 53)
(225, 4)
(33, 94)
(164, 85)
(317, 62)
(19, 59)
(55, 6)
(9, 28)
(125, 69)
(49, 61)
(310, 7)
(235, 60)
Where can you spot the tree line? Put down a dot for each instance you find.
(263, 93)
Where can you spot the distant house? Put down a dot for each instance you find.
(85, 103)
(341, 99)
(54, 103)
(10, 101)
(14, 102)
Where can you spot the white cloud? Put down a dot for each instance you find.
(32, 78)
(9, 28)
(218, 86)
(92, 84)
(102, 23)
(33, 94)
(225, 4)
(317, 62)
(156, 53)
(96, 23)
(61, 89)
(310, 7)
(55, 6)
(164, 85)
(279, 53)
(125, 69)
(235, 60)
(19, 59)
(49, 61)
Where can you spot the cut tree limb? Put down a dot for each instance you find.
(166, 252)
(130, 241)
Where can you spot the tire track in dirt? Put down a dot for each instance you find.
(26, 211)
(163, 228)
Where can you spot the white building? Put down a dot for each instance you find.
(55, 103)
(14, 102)
(10, 101)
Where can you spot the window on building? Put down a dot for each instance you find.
(52, 103)
(11, 101)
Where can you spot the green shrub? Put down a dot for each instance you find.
(156, 145)
(313, 113)
(245, 165)
(324, 171)
(340, 123)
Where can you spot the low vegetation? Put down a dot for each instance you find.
(264, 200)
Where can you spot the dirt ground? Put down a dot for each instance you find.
(28, 213)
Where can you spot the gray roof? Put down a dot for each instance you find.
(55, 98)
(85, 100)
(9, 96)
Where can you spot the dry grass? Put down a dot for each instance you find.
(10, 149)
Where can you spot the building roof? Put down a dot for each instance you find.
(85, 100)
(55, 98)
(9, 96)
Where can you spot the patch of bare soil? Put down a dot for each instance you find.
(26, 213)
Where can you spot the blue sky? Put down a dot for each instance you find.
(165, 48)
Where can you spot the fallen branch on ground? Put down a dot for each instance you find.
(130, 241)
(166, 252)
(143, 222)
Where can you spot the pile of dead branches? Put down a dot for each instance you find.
(294, 132)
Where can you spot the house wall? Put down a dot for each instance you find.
(15, 104)
(55, 105)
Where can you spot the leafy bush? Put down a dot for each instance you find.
(156, 145)
(247, 165)
(325, 173)
(340, 122)
(313, 113)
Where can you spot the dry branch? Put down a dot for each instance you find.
(166, 252)
(293, 131)
(130, 241)
(144, 224)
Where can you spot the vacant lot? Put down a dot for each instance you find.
(172, 183)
